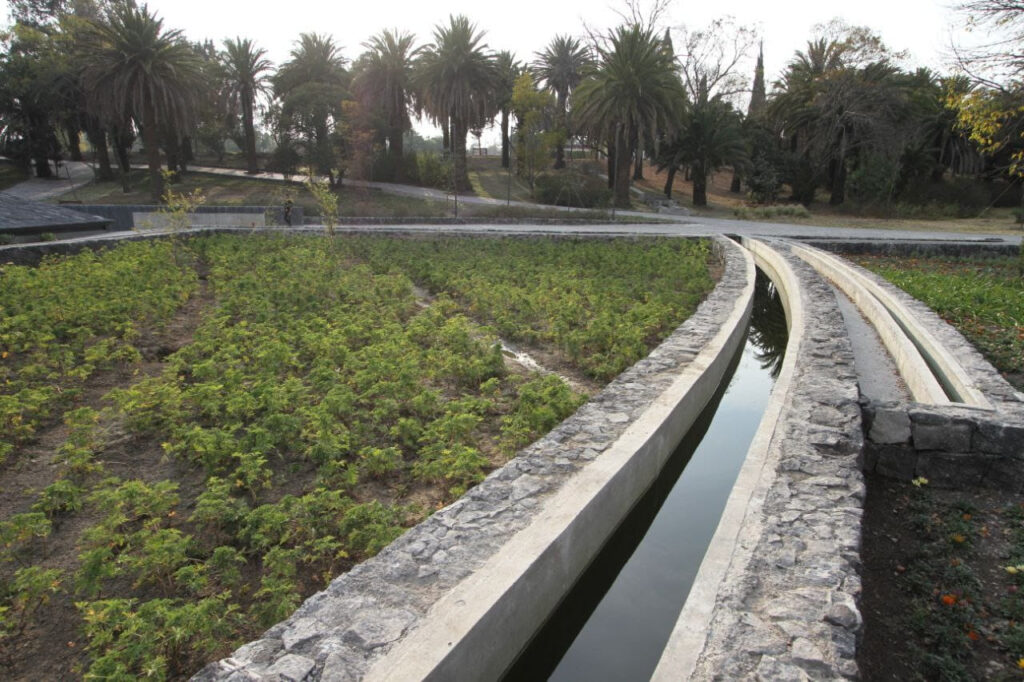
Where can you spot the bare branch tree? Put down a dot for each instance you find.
(999, 59)
(708, 58)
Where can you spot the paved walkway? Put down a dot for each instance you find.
(691, 225)
(73, 174)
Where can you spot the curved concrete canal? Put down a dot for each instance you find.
(636, 587)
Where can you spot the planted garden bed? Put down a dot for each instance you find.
(197, 435)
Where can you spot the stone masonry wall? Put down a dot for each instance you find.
(787, 608)
(337, 633)
(952, 446)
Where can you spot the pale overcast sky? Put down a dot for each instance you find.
(921, 27)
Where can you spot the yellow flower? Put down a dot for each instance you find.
(920, 481)
(1012, 570)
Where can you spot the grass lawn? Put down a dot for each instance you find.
(10, 175)
(490, 180)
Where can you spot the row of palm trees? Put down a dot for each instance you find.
(841, 110)
(134, 73)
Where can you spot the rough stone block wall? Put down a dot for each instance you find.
(339, 632)
(953, 446)
(787, 608)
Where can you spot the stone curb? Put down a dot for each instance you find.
(786, 608)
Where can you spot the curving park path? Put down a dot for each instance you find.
(868, 380)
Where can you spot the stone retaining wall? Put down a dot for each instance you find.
(340, 632)
(787, 608)
(952, 446)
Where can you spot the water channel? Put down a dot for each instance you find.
(614, 623)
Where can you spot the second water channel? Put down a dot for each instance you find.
(615, 622)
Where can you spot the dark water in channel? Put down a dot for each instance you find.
(615, 622)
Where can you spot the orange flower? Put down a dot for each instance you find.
(973, 635)
(948, 599)
(967, 517)
(958, 538)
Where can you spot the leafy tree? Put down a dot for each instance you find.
(532, 109)
(455, 77)
(134, 68)
(562, 66)
(633, 96)
(31, 67)
(248, 75)
(311, 87)
(383, 83)
(992, 113)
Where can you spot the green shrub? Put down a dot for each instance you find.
(568, 188)
(770, 212)
(432, 171)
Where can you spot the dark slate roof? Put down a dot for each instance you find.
(21, 214)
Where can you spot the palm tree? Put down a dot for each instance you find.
(133, 68)
(837, 104)
(561, 66)
(247, 76)
(710, 137)
(456, 77)
(311, 86)
(632, 98)
(384, 79)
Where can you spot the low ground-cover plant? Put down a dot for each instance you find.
(319, 397)
(983, 298)
(955, 594)
(602, 303)
(68, 317)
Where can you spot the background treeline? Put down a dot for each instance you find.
(845, 122)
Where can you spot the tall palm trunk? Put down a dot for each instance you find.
(623, 168)
(670, 181)
(458, 134)
(610, 165)
(700, 185)
(735, 186)
(74, 140)
(638, 169)
(564, 124)
(396, 149)
(839, 176)
(506, 143)
(250, 132)
(151, 139)
(97, 137)
(122, 144)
